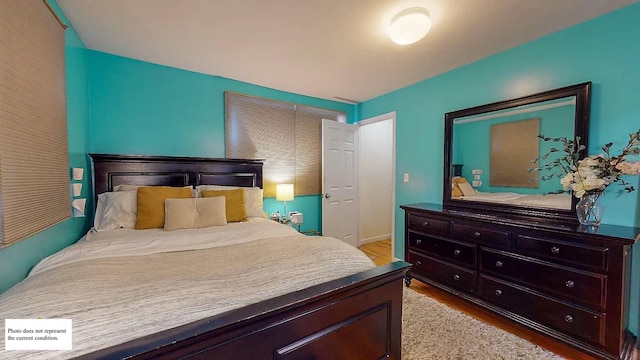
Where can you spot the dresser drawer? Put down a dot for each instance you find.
(590, 256)
(451, 275)
(427, 224)
(579, 286)
(586, 324)
(480, 234)
(460, 252)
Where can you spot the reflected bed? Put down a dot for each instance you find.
(553, 201)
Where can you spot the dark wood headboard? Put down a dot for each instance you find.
(111, 170)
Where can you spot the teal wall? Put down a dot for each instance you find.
(605, 51)
(17, 259)
(147, 109)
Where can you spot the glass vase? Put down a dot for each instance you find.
(590, 210)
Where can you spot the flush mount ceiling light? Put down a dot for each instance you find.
(409, 25)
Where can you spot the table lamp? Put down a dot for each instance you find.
(284, 192)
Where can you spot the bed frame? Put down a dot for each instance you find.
(355, 317)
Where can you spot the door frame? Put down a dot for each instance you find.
(388, 116)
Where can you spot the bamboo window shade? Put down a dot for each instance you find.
(513, 146)
(288, 136)
(34, 152)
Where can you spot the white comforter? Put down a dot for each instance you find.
(124, 284)
(557, 201)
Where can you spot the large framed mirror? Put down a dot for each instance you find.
(488, 153)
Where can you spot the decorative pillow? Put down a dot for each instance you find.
(151, 204)
(194, 213)
(126, 187)
(252, 197)
(455, 190)
(464, 186)
(116, 210)
(466, 189)
(234, 203)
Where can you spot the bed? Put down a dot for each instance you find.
(225, 292)
(553, 201)
(462, 190)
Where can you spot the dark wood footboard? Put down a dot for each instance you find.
(355, 317)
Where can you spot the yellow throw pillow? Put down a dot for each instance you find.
(463, 186)
(234, 203)
(455, 190)
(151, 204)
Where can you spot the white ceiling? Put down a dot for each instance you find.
(321, 48)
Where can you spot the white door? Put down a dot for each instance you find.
(340, 181)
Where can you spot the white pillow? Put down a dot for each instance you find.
(194, 213)
(252, 197)
(126, 187)
(466, 189)
(116, 210)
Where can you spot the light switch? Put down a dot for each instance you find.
(476, 177)
(406, 177)
(477, 171)
(476, 183)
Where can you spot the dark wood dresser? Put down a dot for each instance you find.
(566, 281)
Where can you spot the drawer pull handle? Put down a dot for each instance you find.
(456, 277)
(570, 284)
(568, 318)
(426, 224)
(418, 242)
(498, 292)
(555, 250)
(456, 252)
(476, 234)
(499, 264)
(418, 262)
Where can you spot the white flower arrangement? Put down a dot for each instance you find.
(592, 174)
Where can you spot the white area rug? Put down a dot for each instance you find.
(432, 330)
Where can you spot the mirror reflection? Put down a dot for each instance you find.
(493, 152)
(489, 152)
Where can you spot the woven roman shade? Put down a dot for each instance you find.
(34, 163)
(513, 145)
(288, 136)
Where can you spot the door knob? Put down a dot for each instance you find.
(326, 196)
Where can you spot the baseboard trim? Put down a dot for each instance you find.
(374, 239)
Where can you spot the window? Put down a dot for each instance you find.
(34, 154)
(288, 136)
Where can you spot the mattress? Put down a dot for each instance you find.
(123, 284)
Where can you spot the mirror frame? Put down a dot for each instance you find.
(582, 92)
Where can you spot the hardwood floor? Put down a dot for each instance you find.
(380, 253)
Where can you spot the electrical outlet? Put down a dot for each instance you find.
(406, 177)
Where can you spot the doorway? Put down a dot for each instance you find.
(376, 215)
